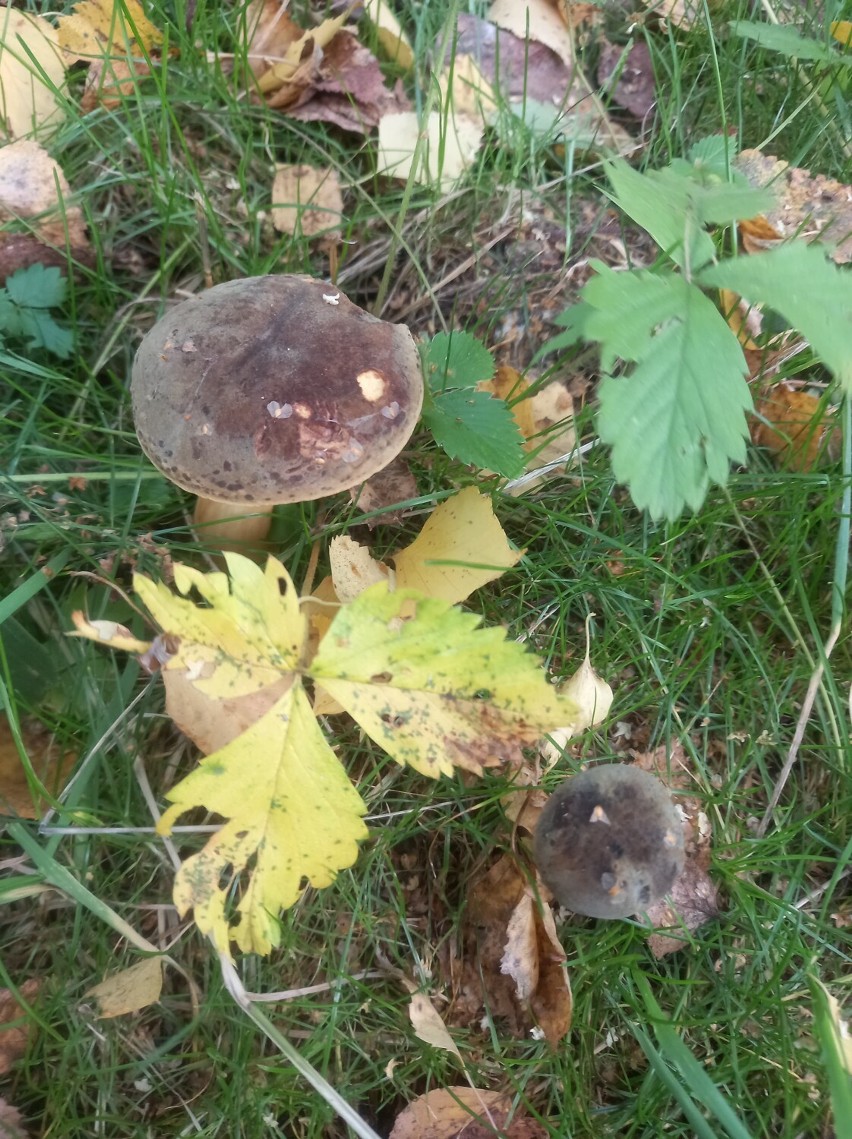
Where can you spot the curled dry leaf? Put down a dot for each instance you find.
(116, 41)
(796, 426)
(307, 200)
(808, 206)
(464, 1113)
(32, 73)
(693, 899)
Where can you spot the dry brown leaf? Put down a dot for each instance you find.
(800, 427)
(394, 484)
(744, 319)
(129, 990)
(34, 188)
(693, 899)
(464, 1113)
(288, 79)
(628, 75)
(353, 568)
(517, 961)
(28, 100)
(16, 1029)
(348, 89)
(307, 200)
(535, 20)
(684, 14)
(808, 206)
(51, 764)
(10, 1122)
(212, 722)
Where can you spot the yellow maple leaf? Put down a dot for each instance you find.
(289, 807)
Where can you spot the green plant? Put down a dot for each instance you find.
(676, 420)
(24, 305)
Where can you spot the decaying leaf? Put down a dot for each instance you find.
(34, 190)
(212, 722)
(393, 484)
(628, 74)
(534, 20)
(307, 200)
(107, 633)
(16, 1029)
(353, 568)
(129, 990)
(393, 39)
(50, 762)
(32, 74)
(516, 963)
(693, 899)
(116, 40)
(464, 1113)
(685, 14)
(808, 206)
(796, 426)
(287, 73)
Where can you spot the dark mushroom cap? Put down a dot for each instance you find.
(274, 389)
(609, 842)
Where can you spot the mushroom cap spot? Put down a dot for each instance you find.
(615, 870)
(276, 400)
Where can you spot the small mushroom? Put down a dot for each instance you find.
(269, 390)
(609, 842)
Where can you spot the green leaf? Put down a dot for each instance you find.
(42, 331)
(785, 39)
(675, 204)
(573, 320)
(37, 287)
(809, 291)
(836, 1046)
(456, 360)
(478, 429)
(677, 421)
(430, 687)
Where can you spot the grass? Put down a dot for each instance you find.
(707, 628)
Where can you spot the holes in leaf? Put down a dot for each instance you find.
(395, 720)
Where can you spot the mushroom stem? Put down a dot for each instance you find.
(231, 525)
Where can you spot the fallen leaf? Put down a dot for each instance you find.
(289, 78)
(628, 75)
(393, 39)
(743, 318)
(462, 533)
(464, 1113)
(108, 633)
(444, 147)
(33, 188)
(798, 428)
(693, 899)
(116, 40)
(16, 1027)
(32, 75)
(353, 568)
(841, 30)
(811, 207)
(590, 693)
(534, 20)
(129, 990)
(10, 1122)
(685, 14)
(393, 484)
(212, 722)
(307, 201)
(428, 1026)
(52, 765)
(348, 89)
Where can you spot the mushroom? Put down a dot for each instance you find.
(609, 842)
(270, 390)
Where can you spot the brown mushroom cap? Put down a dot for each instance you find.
(274, 389)
(609, 842)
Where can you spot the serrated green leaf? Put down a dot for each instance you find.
(811, 293)
(713, 154)
(573, 320)
(675, 204)
(41, 331)
(677, 421)
(478, 429)
(785, 39)
(37, 286)
(431, 687)
(456, 360)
